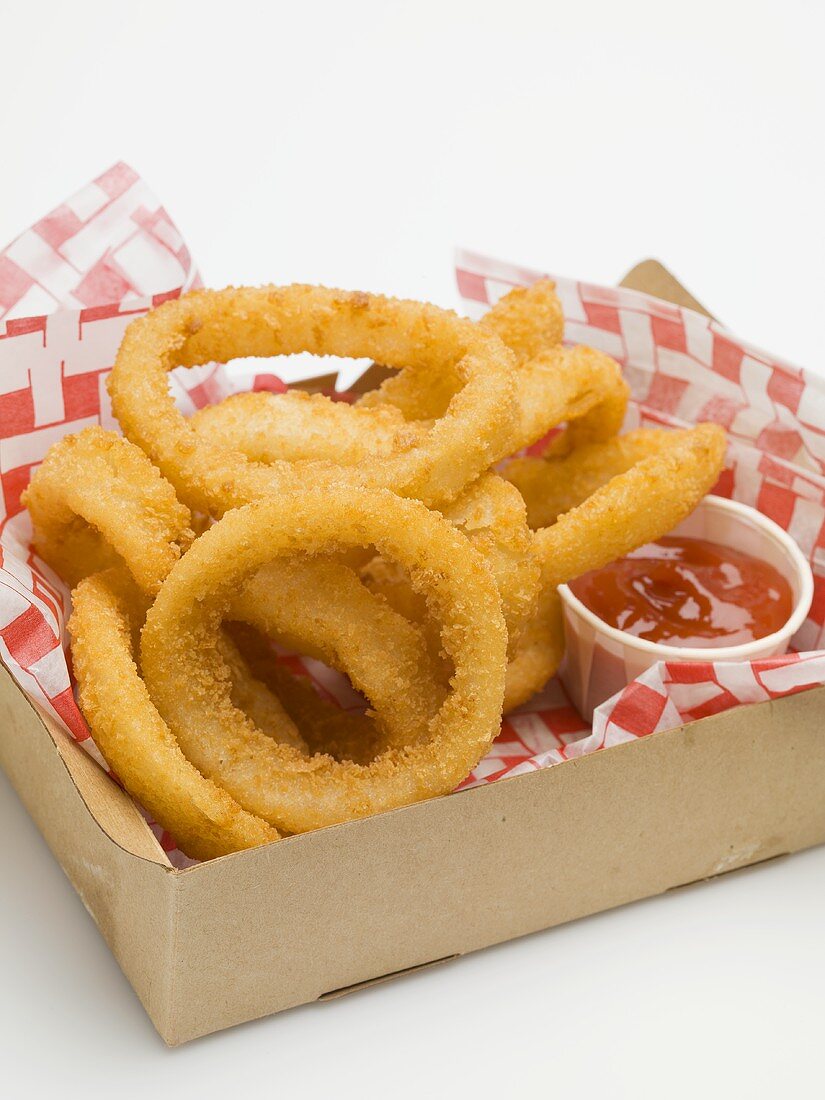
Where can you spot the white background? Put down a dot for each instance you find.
(356, 144)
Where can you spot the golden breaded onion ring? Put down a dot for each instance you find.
(529, 320)
(205, 821)
(321, 608)
(553, 485)
(298, 427)
(489, 511)
(98, 478)
(97, 500)
(492, 515)
(578, 386)
(190, 687)
(555, 384)
(642, 502)
(344, 734)
(309, 603)
(620, 496)
(210, 325)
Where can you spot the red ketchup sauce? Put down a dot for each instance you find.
(689, 592)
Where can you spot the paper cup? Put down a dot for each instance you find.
(601, 660)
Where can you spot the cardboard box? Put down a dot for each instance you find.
(321, 914)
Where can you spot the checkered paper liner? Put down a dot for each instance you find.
(71, 284)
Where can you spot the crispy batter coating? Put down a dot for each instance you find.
(492, 514)
(97, 501)
(343, 734)
(578, 386)
(529, 320)
(254, 694)
(190, 686)
(552, 486)
(266, 321)
(636, 506)
(302, 427)
(321, 608)
(138, 745)
(620, 494)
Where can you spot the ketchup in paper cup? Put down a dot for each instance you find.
(709, 605)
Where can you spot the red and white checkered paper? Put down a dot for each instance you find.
(71, 284)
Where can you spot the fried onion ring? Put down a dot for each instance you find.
(206, 325)
(137, 744)
(110, 481)
(299, 427)
(492, 514)
(190, 686)
(586, 385)
(489, 512)
(552, 486)
(96, 501)
(554, 384)
(327, 727)
(621, 495)
(322, 609)
(580, 386)
(529, 320)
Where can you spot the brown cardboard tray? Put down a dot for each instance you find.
(321, 914)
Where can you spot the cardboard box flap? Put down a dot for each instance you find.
(652, 277)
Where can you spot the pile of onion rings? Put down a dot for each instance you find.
(397, 539)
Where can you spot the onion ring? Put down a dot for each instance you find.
(579, 385)
(298, 427)
(190, 687)
(253, 694)
(489, 512)
(620, 496)
(206, 325)
(327, 727)
(552, 486)
(492, 515)
(528, 319)
(636, 506)
(314, 606)
(96, 501)
(137, 744)
(554, 383)
(101, 476)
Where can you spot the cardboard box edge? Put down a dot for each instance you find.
(691, 803)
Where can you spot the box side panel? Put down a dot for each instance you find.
(130, 896)
(265, 930)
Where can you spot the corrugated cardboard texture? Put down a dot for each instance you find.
(268, 929)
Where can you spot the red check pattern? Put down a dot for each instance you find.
(682, 368)
(71, 284)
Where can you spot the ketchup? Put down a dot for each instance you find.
(689, 592)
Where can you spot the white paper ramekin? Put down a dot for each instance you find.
(600, 660)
